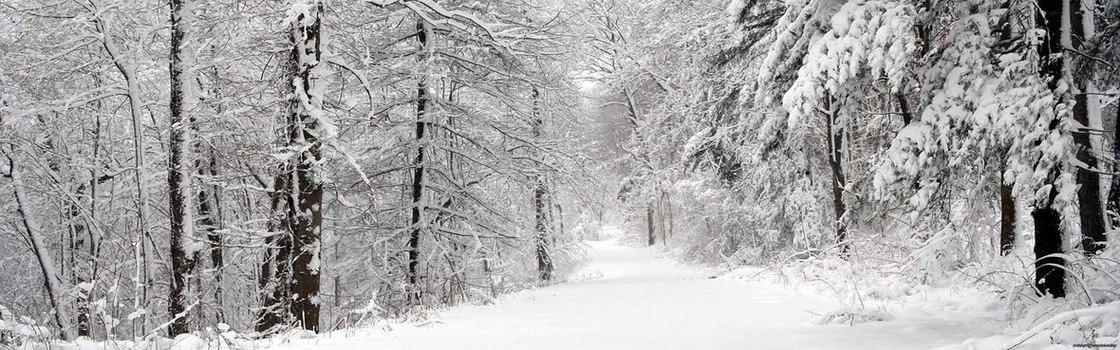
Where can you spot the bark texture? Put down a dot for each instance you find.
(835, 140)
(541, 201)
(178, 173)
(1090, 203)
(418, 171)
(1049, 269)
(305, 206)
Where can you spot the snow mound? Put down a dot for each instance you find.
(588, 272)
(1090, 327)
(851, 316)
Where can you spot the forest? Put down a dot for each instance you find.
(207, 174)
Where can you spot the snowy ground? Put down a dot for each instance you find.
(642, 301)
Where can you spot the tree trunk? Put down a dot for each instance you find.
(649, 224)
(132, 86)
(1008, 210)
(835, 139)
(210, 220)
(39, 247)
(95, 237)
(183, 257)
(1049, 269)
(305, 210)
(414, 293)
(664, 211)
(274, 278)
(1085, 112)
(904, 108)
(558, 220)
(544, 261)
(81, 273)
(1007, 216)
(541, 200)
(1114, 189)
(209, 202)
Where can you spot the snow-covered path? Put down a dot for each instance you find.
(645, 302)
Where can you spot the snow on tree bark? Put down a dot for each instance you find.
(308, 129)
(417, 221)
(275, 268)
(142, 239)
(1114, 187)
(184, 247)
(1085, 110)
(47, 264)
(541, 199)
(1048, 235)
(209, 218)
(834, 138)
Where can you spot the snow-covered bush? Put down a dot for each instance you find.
(18, 330)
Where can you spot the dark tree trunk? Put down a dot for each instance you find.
(414, 293)
(1049, 269)
(305, 215)
(904, 108)
(559, 219)
(1007, 216)
(308, 222)
(1088, 193)
(1114, 188)
(178, 178)
(81, 244)
(277, 275)
(210, 205)
(649, 224)
(273, 279)
(541, 201)
(665, 216)
(209, 220)
(544, 261)
(337, 281)
(1089, 199)
(672, 223)
(1008, 211)
(835, 140)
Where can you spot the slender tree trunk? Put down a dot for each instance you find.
(209, 201)
(835, 140)
(81, 273)
(418, 171)
(337, 281)
(649, 224)
(540, 200)
(1008, 210)
(210, 221)
(93, 245)
(904, 107)
(305, 211)
(544, 260)
(1114, 189)
(1007, 215)
(183, 256)
(274, 278)
(665, 210)
(672, 224)
(39, 247)
(140, 244)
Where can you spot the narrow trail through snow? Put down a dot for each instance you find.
(645, 302)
